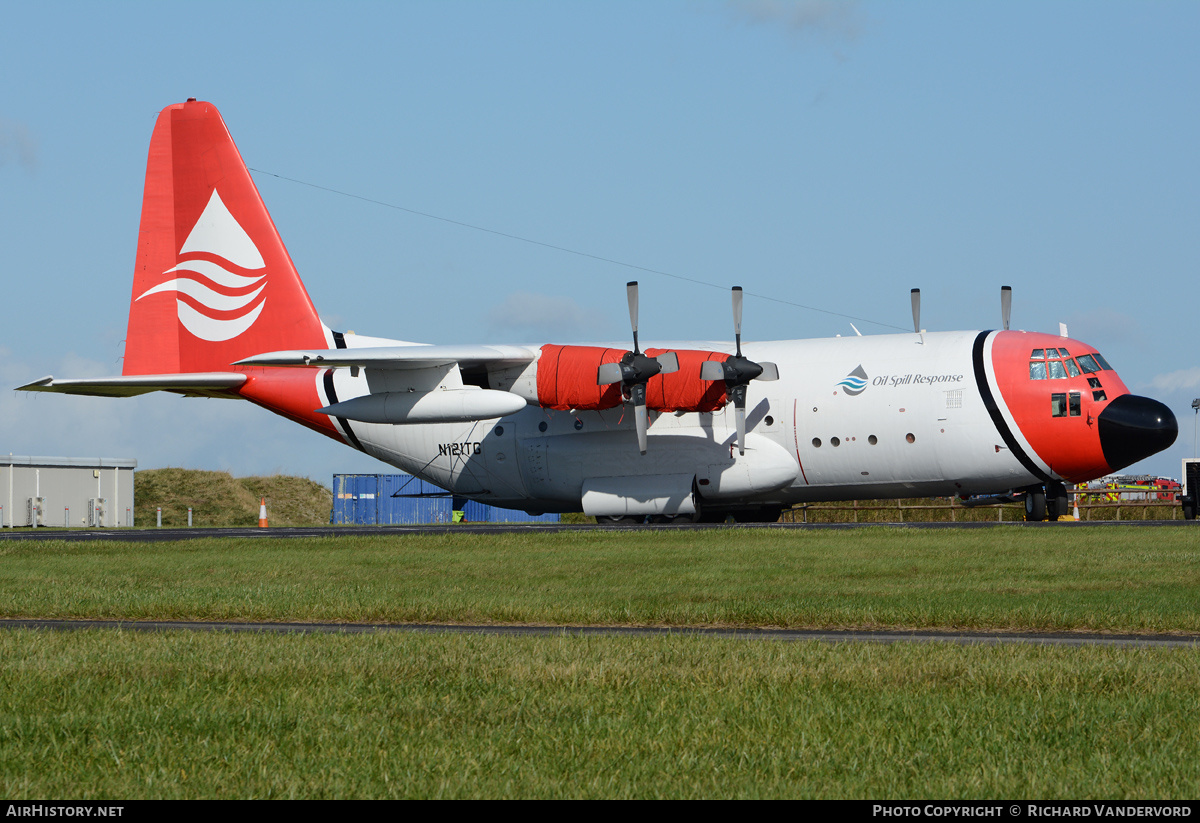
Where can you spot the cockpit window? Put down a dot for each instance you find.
(1044, 364)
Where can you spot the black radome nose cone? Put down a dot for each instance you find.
(1133, 428)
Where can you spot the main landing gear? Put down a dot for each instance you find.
(1047, 502)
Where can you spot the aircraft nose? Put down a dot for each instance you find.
(1133, 427)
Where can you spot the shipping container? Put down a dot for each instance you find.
(402, 500)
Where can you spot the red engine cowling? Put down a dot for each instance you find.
(566, 379)
(684, 390)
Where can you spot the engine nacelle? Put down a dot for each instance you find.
(566, 379)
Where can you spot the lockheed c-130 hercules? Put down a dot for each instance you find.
(218, 310)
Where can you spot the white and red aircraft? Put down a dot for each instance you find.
(218, 310)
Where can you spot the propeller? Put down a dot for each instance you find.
(916, 304)
(635, 369)
(737, 372)
(1006, 304)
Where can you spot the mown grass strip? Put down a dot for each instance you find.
(1066, 578)
(96, 715)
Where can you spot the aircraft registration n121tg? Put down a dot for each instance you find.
(691, 431)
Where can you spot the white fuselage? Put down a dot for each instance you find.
(911, 422)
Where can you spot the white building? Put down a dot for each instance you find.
(66, 491)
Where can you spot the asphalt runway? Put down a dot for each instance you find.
(167, 535)
(1190, 641)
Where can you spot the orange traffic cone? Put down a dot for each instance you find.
(262, 514)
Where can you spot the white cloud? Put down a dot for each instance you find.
(1180, 380)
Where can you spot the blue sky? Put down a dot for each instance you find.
(829, 155)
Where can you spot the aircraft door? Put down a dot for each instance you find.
(501, 453)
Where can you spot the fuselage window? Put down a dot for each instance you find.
(1037, 370)
(1057, 372)
(1088, 363)
(1099, 395)
(1076, 404)
(1058, 405)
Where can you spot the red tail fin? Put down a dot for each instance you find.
(213, 282)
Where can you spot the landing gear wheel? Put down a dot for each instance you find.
(1189, 508)
(618, 520)
(757, 514)
(1035, 504)
(1056, 501)
(766, 514)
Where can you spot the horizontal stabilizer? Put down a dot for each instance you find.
(397, 357)
(210, 384)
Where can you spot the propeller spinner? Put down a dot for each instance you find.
(635, 369)
(738, 371)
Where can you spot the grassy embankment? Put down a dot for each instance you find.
(218, 499)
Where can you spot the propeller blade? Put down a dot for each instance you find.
(636, 369)
(737, 318)
(712, 370)
(740, 414)
(640, 420)
(631, 290)
(916, 307)
(1006, 304)
(669, 362)
(738, 371)
(608, 373)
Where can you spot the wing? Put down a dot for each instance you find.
(208, 384)
(414, 383)
(398, 357)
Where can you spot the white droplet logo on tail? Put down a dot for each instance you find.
(218, 234)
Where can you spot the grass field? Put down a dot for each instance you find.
(126, 714)
(1070, 577)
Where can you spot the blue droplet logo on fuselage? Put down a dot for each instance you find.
(855, 382)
